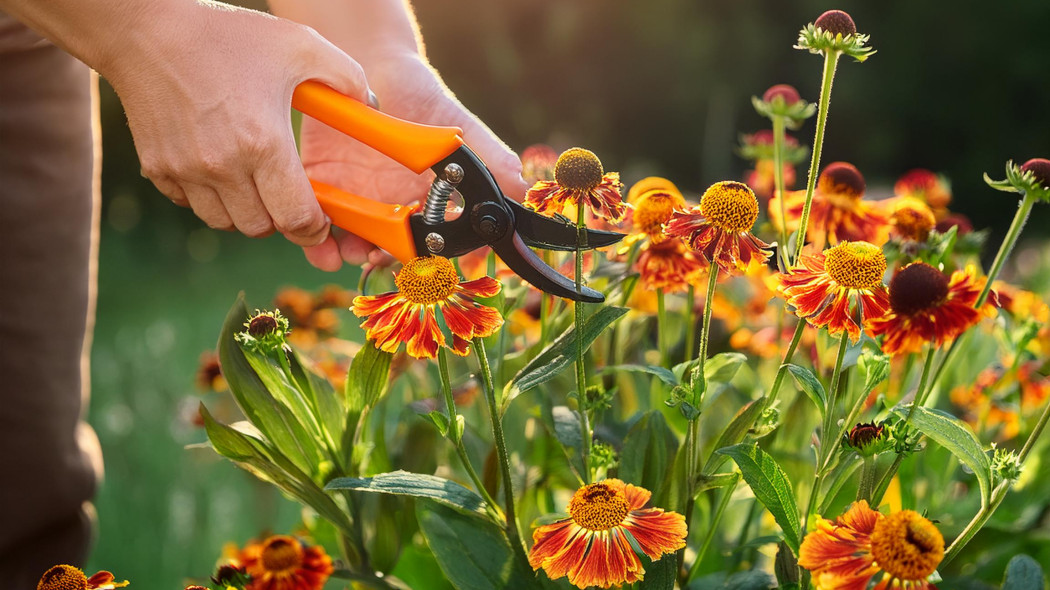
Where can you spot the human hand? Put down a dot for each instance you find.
(410, 89)
(208, 101)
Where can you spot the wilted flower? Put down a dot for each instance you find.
(579, 178)
(720, 227)
(593, 546)
(834, 31)
(281, 562)
(67, 577)
(426, 287)
(823, 290)
(864, 549)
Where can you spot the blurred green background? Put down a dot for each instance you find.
(659, 87)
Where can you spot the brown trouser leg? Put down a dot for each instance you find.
(48, 237)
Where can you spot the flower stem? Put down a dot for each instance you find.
(833, 392)
(1012, 235)
(501, 443)
(457, 439)
(690, 322)
(581, 370)
(831, 59)
(867, 479)
(782, 371)
(698, 381)
(713, 527)
(661, 327)
(778, 184)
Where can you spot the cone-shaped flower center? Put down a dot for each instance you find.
(836, 22)
(62, 577)
(864, 434)
(907, 546)
(281, 553)
(856, 265)
(913, 220)
(598, 507)
(262, 324)
(427, 280)
(841, 178)
(1040, 168)
(578, 169)
(730, 205)
(654, 209)
(917, 287)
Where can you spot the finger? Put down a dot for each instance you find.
(246, 208)
(171, 190)
(352, 249)
(325, 255)
(333, 67)
(207, 206)
(286, 193)
(504, 164)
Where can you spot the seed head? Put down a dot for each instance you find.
(1040, 169)
(578, 169)
(917, 287)
(836, 22)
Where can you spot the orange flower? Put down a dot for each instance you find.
(823, 289)
(911, 220)
(928, 307)
(579, 177)
(67, 577)
(593, 545)
(652, 210)
(838, 212)
(866, 550)
(668, 265)
(720, 227)
(926, 186)
(427, 287)
(282, 563)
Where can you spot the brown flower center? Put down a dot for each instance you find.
(907, 546)
(836, 22)
(730, 205)
(654, 209)
(62, 577)
(913, 220)
(841, 178)
(864, 434)
(1040, 168)
(281, 553)
(262, 325)
(598, 507)
(855, 265)
(427, 280)
(578, 169)
(917, 287)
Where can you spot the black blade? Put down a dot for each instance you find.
(515, 254)
(540, 231)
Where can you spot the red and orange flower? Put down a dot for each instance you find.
(668, 265)
(281, 562)
(824, 288)
(911, 220)
(838, 212)
(593, 546)
(867, 550)
(720, 227)
(67, 577)
(426, 287)
(579, 178)
(926, 186)
(927, 307)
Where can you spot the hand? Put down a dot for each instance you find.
(408, 88)
(208, 100)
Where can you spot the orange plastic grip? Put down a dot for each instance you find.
(416, 147)
(382, 224)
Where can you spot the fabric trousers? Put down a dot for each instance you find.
(49, 202)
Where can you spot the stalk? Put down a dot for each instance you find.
(826, 445)
(712, 529)
(867, 479)
(661, 328)
(581, 371)
(690, 322)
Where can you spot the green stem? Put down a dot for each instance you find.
(782, 371)
(712, 529)
(698, 381)
(778, 184)
(1012, 235)
(457, 439)
(831, 59)
(690, 322)
(581, 370)
(661, 328)
(867, 479)
(833, 391)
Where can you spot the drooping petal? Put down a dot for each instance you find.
(656, 531)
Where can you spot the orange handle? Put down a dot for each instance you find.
(382, 224)
(416, 147)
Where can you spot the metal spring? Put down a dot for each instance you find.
(440, 191)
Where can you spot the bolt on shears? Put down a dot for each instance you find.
(406, 231)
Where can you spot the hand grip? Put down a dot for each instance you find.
(416, 147)
(382, 224)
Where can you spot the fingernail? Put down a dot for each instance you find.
(373, 100)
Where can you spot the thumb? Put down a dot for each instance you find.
(504, 164)
(329, 65)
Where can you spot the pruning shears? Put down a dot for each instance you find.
(406, 231)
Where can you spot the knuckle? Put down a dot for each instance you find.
(306, 221)
(257, 229)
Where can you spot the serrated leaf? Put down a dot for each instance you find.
(771, 487)
(955, 436)
(810, 385)
(648, 452)
(661, 373)
(416, 485)
(1023, 573)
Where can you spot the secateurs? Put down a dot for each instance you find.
(406, 231)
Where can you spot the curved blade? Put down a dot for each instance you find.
(540, 231)
(523, 261)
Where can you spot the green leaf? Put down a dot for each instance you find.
(226, 441)
(473, 554)
(566, 428)
(440, 421)
(659, 574)
(876, 369)
(560, 353)
(722, 367)
(648, 452)
(329, 405)
(368, 377)
(771, 487)
(416, 485)
(941, 245)
(734, 433)
(282, 386)
(954, 435)
(808, 383)
(663, 374)
(1023, 573)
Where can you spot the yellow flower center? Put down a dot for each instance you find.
(598, 507)
(427, 280)
(856, 265)
(578, 169)
(653, 209)
(62, 577)
(913, 220)
(907, 546)
(730, 205)
(281, 553)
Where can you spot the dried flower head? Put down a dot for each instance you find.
(834, 32)
(265, 332)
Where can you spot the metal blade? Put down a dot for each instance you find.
(540, 231)
(523, 261)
